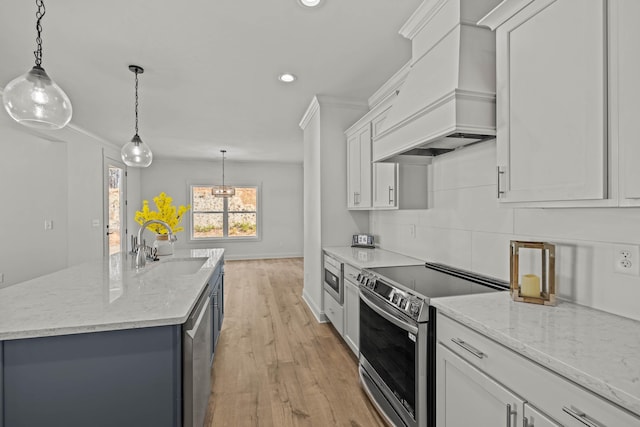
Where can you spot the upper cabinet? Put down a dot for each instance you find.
(359, 168)
(382, 185)
(625, 35)
(565, 91)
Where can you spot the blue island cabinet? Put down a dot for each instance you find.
(123, 378)
(117, 378)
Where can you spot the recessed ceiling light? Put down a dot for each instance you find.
(286, 77)
(310, 3)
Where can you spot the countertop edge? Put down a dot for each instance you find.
(595, 385)
(398, 259)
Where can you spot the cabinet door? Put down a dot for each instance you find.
(353, 170)
(359, 168)
(468, 397)
(628, 93)
(385, 185)
(552, 112)
(535, 418)
(351, 316)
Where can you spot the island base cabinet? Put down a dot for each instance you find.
(118, 378)
(467, 397)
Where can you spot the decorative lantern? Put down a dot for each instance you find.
(533, 272)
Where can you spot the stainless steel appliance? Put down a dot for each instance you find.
(196, 353)
(397, 335)
(333, 276)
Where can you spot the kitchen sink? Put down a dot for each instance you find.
(177, 266)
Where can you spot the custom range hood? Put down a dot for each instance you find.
(448, 99)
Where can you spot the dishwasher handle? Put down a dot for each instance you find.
(195, 319)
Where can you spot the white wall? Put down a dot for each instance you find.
(281, 212)
(33, 188)
(467, 228)
(54, 176)
(327, 222)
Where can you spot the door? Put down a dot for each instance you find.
(351, 315)
(384, 185)
(115, 206)
(468, 397)
(552, 102)
(359, 168)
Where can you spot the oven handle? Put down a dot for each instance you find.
(393, 319)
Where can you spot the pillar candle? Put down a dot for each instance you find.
(530, 286)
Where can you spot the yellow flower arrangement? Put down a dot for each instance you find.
(166, 212)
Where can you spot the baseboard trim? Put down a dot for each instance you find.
(317, 313)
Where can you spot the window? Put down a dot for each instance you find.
(213, 217)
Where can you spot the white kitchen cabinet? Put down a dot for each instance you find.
(552, 87)
(535, 418)
(625, 34)
(359, 169)
(468, 397)
(333, 311)
(351, 309)
(400, 186)
(385, 181)
(548, 395)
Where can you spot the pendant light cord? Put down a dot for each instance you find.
(136, 73)
(223, 151)
(39, 14)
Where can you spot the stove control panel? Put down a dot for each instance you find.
(404, 301)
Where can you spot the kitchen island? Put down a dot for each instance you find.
(102, 343)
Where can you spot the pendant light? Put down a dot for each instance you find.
(136, 153)
(33, 99)
(223, 190)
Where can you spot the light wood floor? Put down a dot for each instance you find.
(275, 365)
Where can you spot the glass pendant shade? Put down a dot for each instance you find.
(36, 101)
(136, 153)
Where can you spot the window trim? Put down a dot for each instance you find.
(258, 211)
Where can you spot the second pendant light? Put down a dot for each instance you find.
(136, 153)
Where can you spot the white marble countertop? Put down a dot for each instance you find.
(369, 258)
(595, 349)
(105, 295)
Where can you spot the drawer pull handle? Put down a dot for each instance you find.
(477, 353)
(581, 416)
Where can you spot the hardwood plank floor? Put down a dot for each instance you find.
(275, 365)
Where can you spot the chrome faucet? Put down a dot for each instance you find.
(141, 256)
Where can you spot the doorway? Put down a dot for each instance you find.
(115, 218)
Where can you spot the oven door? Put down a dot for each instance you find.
(393, 361)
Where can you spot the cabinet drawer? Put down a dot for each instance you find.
(555, 395)
(334, 312)
(351, 274)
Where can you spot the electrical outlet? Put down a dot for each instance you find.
(412, 230)
(626, 259)
(48, 224)
(95, 223)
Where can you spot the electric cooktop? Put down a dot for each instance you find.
(436, 280)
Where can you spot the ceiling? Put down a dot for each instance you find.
(211, 67)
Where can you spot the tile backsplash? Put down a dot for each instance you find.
(466, 227)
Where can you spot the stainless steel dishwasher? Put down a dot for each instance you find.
(196, 352)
